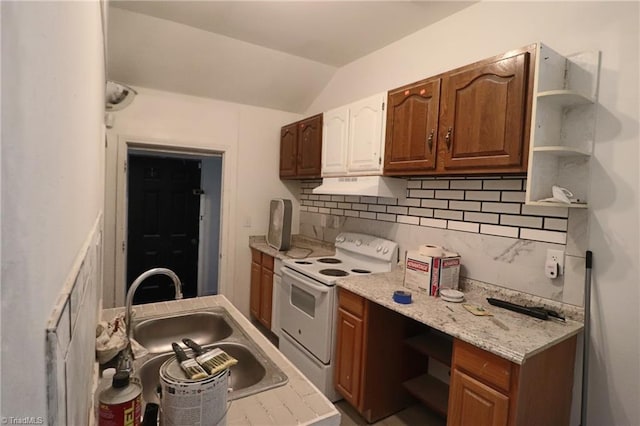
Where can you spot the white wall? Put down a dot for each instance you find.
(489, 28)
(252, 133)
(52, 175)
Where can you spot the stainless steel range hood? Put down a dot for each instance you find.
(374, 186)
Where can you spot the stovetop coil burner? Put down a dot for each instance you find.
(360, 271)
(303, 262)
(334, 272)
(329, 260)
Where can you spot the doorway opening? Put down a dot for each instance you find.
(173, 220)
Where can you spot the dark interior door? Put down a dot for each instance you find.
(163, 224)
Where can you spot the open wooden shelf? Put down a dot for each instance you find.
(558, 204)
(432, 345)
(564, 97)
(431, 392)
(561, 151)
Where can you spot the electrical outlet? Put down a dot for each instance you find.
(556, 256)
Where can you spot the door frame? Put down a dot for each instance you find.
(227, 214)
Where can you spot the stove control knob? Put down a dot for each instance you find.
(340, 239)
(385, 250)
(379, 249)
(358, 243)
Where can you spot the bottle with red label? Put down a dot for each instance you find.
(121, 403)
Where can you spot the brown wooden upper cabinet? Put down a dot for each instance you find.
(301, 149)
(474, 119)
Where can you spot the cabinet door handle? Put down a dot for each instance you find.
(430, 141)
(447, 139)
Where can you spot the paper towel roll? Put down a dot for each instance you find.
(431, 250)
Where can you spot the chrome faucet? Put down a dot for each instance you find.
(126, 357)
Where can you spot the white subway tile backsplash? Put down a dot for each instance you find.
(545, 211)
(409, 202)
(546, 236)
(435, 184)
(450, 195)
(434, 223)
(521, 221)
(465, 205)
(464, 226)
(388, 201)
(555, 224)
(413, 211)
(314, 197)
(397, 210)
(466, 184)
(435, 204)
(447, 214)
(367, 215)
(482, 195)
(421, 193)
(488, 205)
(377, 208)
(325, 197)
(511, 184)
(481, 217)
(512, 208)
(513, 197)
(386, 217)
(503, 231)
(411, 220)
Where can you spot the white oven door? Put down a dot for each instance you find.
(307, 313)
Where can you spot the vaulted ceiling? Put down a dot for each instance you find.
(276, 54)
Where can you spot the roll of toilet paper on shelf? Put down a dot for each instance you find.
(431, 250)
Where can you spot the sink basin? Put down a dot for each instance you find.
(246, 373)
(203, 327)
(212, 328)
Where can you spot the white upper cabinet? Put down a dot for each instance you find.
(366, 134)
(335, 135)
(353, 138)
(563, 126)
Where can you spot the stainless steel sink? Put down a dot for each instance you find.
(203, 327)
(254, 372)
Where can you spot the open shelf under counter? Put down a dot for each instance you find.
(564, 97)
(561, 151)
(433, 345)
(430, 391)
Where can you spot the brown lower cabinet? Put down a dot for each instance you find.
(382, 358)
(261, 293)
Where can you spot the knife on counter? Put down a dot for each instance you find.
(536, 312)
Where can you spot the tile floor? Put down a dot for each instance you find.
(415, 415)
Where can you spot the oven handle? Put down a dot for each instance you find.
(301, 280)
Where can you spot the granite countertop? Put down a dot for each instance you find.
(301, 247)
(508, 334)
(298, 402)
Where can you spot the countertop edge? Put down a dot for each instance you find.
(386, 283)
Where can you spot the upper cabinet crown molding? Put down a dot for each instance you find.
(353, 138)
(471, 120)
(564, 116)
